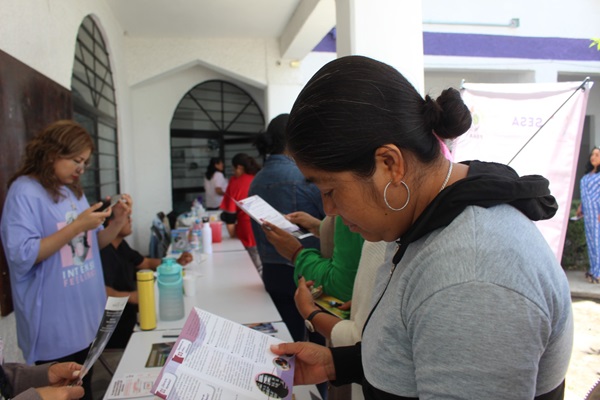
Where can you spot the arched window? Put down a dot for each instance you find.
(215, 118)
(94, 107)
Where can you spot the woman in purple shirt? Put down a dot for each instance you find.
(52, 240)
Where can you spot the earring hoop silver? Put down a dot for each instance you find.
(385, 196)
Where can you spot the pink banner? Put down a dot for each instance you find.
(507, 116)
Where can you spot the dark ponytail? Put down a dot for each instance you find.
(448, 116)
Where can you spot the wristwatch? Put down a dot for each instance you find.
(307, 321)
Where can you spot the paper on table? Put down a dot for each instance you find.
(217, 358)
(259, 210)
(131, 385)
(159, 354)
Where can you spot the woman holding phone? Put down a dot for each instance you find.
(52, 240)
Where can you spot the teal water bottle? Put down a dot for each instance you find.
(170, 290)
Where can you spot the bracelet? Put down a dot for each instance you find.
(298, 250)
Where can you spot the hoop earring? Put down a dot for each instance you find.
(407, 196)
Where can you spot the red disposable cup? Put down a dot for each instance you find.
(217, 231)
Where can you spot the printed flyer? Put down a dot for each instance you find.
(112, 313)
(259, 210)
(214, 358)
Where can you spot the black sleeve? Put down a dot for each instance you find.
(110, 263)
(228, 218)
(131, 255)
(348, 364)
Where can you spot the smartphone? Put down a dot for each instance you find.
(109, 203)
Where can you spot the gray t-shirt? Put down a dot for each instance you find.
(480, 309)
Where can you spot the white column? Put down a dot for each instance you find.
(390, 31)
(285, 80)
(280, 99)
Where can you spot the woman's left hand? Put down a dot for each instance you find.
(284, 242)
(314, 363)
(122, 210)
(63, 373)
(304, 299)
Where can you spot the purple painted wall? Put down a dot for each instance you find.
(471, 45)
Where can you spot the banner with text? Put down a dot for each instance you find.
(506, 121)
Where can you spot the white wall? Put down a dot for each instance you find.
(155, 99)
(550, 18)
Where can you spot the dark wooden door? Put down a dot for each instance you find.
(28, 102)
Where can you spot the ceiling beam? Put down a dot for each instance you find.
(311, 21)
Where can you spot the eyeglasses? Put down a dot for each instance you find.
(81, 165)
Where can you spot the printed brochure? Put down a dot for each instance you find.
(259, 210)
(215, 358)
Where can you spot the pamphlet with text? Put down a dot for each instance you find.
(215, 358)
(112, 314)
(259, 210)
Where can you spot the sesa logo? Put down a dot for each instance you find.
(527, 122)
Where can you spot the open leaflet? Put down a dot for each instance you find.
(214, 358)
(112, 313)
(259, 210)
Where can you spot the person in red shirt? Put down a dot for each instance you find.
(238, 222)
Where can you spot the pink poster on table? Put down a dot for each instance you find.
(519, 125)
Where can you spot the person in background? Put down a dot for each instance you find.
(463, 307)
(332, 270)
(345, 332)
(52, 240)
(238, 224)
(45, 382)
(589, 209)
(215, 183)
(335, 273)
(281, 184)
(120, 264)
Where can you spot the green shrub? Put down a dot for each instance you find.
(575, 255)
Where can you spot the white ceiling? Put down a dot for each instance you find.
(298, 25)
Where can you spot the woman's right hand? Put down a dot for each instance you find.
(91, 219)
(284, 242)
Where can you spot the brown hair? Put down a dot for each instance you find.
(61, 139)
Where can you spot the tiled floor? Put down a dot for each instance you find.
(101, 377)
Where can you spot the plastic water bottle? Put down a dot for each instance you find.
(206, 236)
(197, 226)
(170, 290)
(195, 242)
(197, 208)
